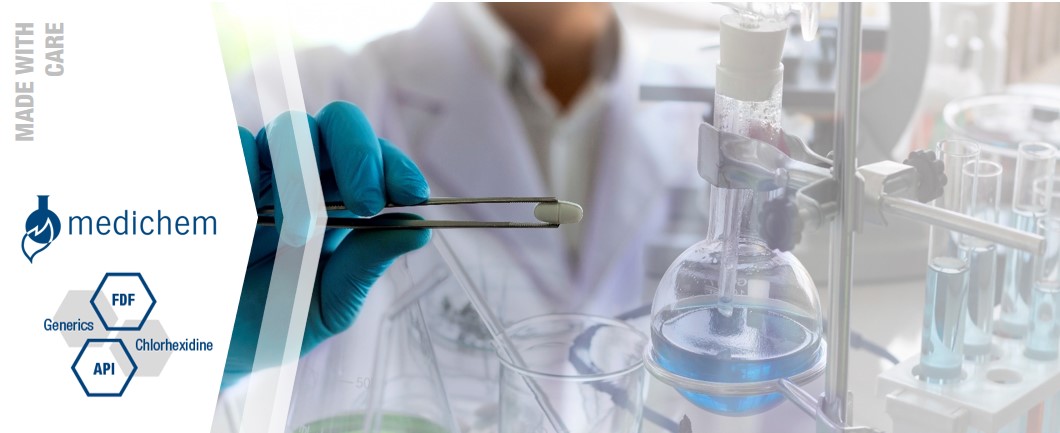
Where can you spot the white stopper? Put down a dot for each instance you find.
(749, 66)
(561, 212)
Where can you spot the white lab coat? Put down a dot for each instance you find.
(428, 92)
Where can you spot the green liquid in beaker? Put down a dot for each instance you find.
(390, 423)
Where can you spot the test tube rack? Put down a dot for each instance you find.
(993, 396)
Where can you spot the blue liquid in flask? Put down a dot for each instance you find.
(760, 340)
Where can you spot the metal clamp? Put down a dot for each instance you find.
(813, 407)
(884, 188)
(728, 160)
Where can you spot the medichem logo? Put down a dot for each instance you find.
(43, 226)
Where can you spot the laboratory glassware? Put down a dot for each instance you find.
(999, 123)
(1003, 121)
(463, 345)
(403, 392)
(750, 106)
(731, 315)
(1046, 192)
(505, 347)
(433, 285)
(1043, 336)
(981, 182)
(1035, 160)
(808, 13)
(725, 355)
(406, 376)
(942, 338)
(590, 369)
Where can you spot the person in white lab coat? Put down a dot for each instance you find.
(507, 100)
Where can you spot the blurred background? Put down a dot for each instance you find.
(970, 50)
(1032, 54)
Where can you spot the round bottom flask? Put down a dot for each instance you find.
(724, 351)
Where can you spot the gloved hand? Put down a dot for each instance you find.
(365, 172)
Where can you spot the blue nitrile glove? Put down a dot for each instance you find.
(363, 171)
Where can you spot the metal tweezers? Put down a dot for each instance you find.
(266, 215)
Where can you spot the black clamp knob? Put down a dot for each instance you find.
(780, 224)
(931, 173)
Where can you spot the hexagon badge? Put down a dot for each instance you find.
(76, 307)
(149, 363)
(123, 301)
(104, 367)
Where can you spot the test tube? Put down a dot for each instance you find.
(981, 184)
(942, 341)
(1044, 300)
(1036, 347)
(1034, 160)
(1043, 336)
(1047, 195)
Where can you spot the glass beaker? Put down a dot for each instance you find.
(589, 369)
(981, 182)
(402, 390)
(714, 344)
(390, 383)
